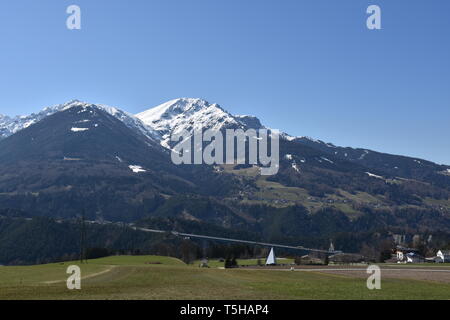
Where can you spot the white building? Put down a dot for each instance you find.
(400, 256)
(443, 256)
(408, 255)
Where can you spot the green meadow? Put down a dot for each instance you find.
(155, 277)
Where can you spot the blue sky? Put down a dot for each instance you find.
(307, 67)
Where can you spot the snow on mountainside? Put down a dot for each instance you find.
(174, 116)
(157, 123)
(9, 126)
(4, 126)
(189, 114)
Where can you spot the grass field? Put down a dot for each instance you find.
(153, 277)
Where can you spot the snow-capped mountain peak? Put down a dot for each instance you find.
(177, 106)
(9, 126)
(157, 123)
(187, 114)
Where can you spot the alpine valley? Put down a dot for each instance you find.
(115, 169)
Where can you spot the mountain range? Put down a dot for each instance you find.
(115, 166)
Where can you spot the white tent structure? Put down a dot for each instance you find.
(271, 259)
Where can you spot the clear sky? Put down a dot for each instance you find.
(307, 67)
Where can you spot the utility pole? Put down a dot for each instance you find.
(204, 249)
(82, 238)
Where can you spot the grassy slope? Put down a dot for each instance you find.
(271, 192)
(278, 195)
(133, 278)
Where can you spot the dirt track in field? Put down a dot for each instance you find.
(83, 278)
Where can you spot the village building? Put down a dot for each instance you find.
(443, 256)
(408, 255)
(401, 253)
